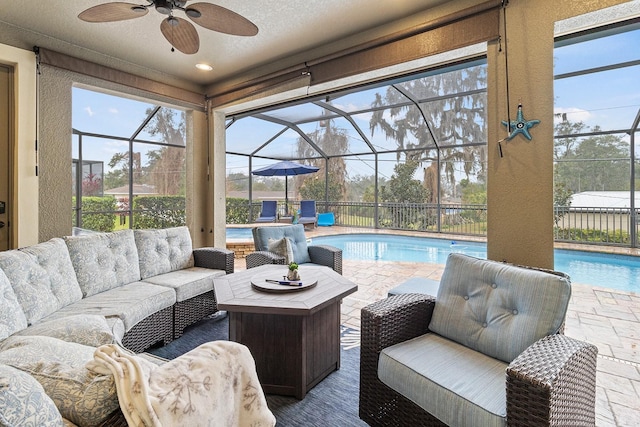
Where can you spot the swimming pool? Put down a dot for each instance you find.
(239, 233)
(620, 272)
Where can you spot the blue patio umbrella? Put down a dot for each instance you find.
(285, 168)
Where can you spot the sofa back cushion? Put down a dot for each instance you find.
(12, 318)
(42, 277)
(104, 261)
(295, 234)
(162, 251)
(498, 309)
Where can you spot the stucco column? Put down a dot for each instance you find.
(217, 178)
(520, 183)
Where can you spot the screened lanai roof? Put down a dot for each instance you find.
(431, 103)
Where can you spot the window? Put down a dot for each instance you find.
(128, 168)
(597, 100)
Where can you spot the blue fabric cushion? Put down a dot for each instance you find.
(498, 309)
(459, 386)
(295, 234)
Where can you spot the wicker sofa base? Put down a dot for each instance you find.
(153, 329)
(190, 311)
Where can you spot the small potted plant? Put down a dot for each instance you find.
(293, 272)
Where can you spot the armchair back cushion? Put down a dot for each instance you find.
(163, 251)
(480, 303)
(42, 278)
(104, 261)
(295, 234)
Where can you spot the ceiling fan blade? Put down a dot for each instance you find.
(218, 18)
(111, 12)
(181, 34)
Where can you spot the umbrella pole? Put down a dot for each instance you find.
(286, 196)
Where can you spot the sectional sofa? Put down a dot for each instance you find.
(63, 298)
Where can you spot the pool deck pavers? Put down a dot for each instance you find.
(608, 318)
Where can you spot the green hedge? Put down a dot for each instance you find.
(238, 210)
(592, 235)
(98, 213)
(159, 211)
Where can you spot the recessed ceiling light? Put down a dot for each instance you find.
(205, 67)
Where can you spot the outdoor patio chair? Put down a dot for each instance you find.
(326, 219)
(268, 212)
(286, 243)
(487, 351)
(308, 213)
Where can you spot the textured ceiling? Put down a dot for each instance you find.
(287, 28)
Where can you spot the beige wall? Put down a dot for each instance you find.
(25, 185)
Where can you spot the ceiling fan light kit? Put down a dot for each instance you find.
(180, 33)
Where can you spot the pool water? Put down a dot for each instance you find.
(612, 271)
(240, 233)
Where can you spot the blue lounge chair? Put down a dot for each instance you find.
(308, 213)
(326, 219)
(268, 212)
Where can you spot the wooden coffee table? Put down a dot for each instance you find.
(294, 336)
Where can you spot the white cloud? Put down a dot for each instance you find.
(89, 111)
(571, 114)
(113, 110)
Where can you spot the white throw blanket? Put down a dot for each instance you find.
(214, 384)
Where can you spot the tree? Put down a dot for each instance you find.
(333, 140)
(591, 162)
(402, 187)
(451, 123)
(166, 166)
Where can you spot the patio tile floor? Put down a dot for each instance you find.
(608, 318)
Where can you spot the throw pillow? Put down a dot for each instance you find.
(24, 402)
(82, 396)
(282, 247)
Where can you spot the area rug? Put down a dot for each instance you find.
(333, 402)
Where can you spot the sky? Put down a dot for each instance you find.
(610, 99)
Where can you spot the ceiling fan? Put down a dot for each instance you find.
(178, 31)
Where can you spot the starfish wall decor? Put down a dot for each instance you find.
(520, 125)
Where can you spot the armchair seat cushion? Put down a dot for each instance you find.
(189, 282)
(456, 384)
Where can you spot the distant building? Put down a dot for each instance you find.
(138, 190)
(604, 199)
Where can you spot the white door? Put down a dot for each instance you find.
(5, 165)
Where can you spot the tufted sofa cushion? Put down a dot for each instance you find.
(104, 261)
(24, 402)
(480, 302)
(163, 251)
(294, 233)
(12, 318)
(42, 278)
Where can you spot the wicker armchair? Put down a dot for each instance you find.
(326, 255)
(551, 382)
